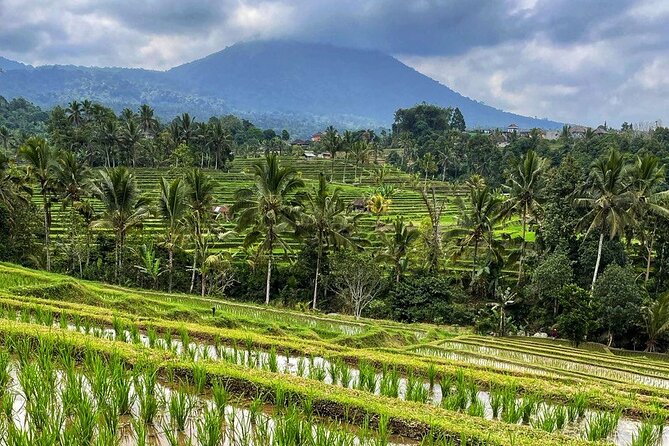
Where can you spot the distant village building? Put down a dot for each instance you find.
(577, 131)
(300, 143)
(316, 137)
(326, 155)
(512, 128)
(600, 130)
(551, 135)
(309, 155)
(359, 204)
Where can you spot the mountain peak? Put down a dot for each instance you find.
(7, 64)
(273, 82)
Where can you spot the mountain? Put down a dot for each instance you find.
(271, 82)
(6, 64)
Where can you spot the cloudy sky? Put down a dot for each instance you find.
(581, 61)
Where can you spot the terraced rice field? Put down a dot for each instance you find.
(406, 200)
(120, 366)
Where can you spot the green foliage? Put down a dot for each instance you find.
(618, 300)
(548, 280)
(576, 318)
(429, 298)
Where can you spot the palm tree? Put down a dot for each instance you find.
(199, 197)
(524, 189)
(645, 177)
(398, 245)
(347, 141)
(378, 205)
(131, 136)
(435, 207)
(109, 138)
(41, 159)
(429, 165)
(13, 186)
(265, 208)
(187, 128)
(332, 142)
(477, 221)
(608, 198)
(150, 264)
(147, 121)
(656, 318)
(75, 113)
(360, 151)
(72, 181)
(172, 208)
(219, 140)
(124, 207)
(326, 220)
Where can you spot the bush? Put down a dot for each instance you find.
(618, 300)
(544, 290)
(576, 318)
(429, 299)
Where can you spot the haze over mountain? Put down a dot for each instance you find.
(270, 82)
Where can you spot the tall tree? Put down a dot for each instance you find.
(130, 137)
(220, 142)
(458, 121)
(524, 195)
(608, 198)
(75, 113)
(266, 209)
(435, 207)
(199, 197)
(346, 146)
(72, 183)
(109, 137)
(325, 219)
(172, 209)
(398, 245)
(147, 121)
(124, 208)
(478, 219)
(332, 142)
(360, 153)
(41, 159)
(646, 176)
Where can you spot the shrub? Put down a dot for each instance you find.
(429, 299)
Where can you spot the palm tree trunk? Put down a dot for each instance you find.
(650, 252)
(192, 277)
(170, 260)
(318, 270)
(47, 235)
(269, 278)
(343, 179)
(522, 245)
(204, 282)
(476, 254)
(599, 258)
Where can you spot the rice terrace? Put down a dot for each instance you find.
(331, 223)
